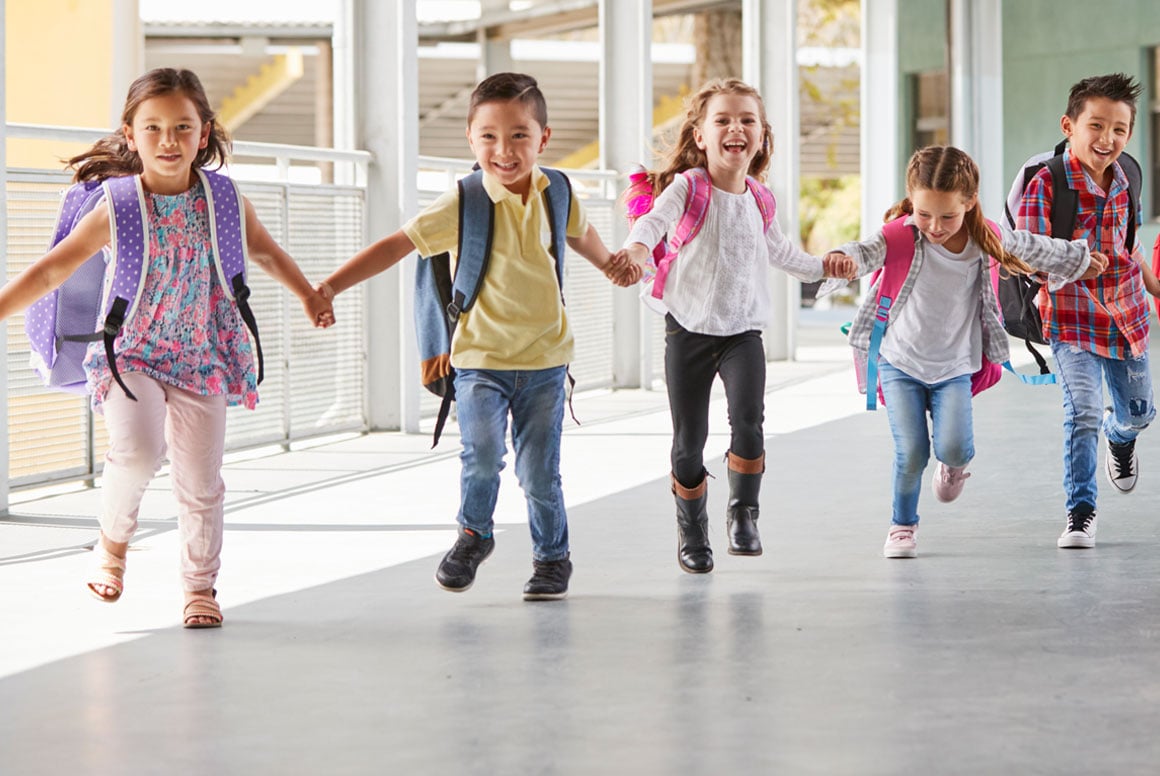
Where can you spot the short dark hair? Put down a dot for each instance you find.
(502, 87)
(1117, 87)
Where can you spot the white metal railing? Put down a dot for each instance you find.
(315, 381)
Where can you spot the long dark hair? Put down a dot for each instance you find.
(110, 156)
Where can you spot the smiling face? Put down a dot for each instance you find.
(1098, 136)
(506, 140)
(730, 135)
(167, 133)
(939, 216)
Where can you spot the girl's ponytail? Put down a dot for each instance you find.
(985, 237)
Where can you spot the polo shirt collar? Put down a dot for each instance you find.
(498, 192)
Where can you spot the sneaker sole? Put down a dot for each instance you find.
(1075, 543)
(900, 553)
(545, 596)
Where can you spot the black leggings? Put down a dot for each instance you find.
(691, 363)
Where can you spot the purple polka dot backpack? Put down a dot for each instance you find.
(101, 295)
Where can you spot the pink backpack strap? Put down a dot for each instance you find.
(992, 263)
(899, 256)
(765, 201)
(690, 223)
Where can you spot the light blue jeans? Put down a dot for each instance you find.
(535, 400)
(1082, 375)
(907, 403)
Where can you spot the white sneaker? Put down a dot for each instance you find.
(1080, 532)
(1122, 466)
(948, 481)
(900, 542)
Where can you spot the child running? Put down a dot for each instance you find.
(510, 350)
(718, 300)
(944, 321)
(185, 355)
(1098, 328)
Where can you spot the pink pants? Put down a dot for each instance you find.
(192, 429)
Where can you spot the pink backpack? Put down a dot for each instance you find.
(638, 200)
(885, 285)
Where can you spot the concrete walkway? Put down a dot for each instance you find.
(992, 652)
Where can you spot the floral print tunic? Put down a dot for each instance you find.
(186, 332)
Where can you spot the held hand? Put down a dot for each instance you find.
(839, 265)
(621, 270)
(1098, 265)
(319, 306)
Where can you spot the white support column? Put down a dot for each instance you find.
(4, 439)
(128, 55)
(769, 56)
(385, 40)
(976, 80)
(626, 106)
(495, 56)
(880, 166)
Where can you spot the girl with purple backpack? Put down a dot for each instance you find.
(184, 354)
(717, 296)
(944, 323)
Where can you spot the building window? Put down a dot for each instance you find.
(931, 126)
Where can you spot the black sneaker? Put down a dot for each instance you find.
(1080, 531)
(549, 580)
(1122, 466)
(456, 571)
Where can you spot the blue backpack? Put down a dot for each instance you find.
(440, 297)
(101, 295)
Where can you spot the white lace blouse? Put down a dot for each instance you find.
(718, 284)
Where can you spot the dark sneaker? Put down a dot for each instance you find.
(549, 580)
(1080, 531)
(456, 571)
(1122, 466)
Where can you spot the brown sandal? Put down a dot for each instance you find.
(108, 571)
(202, 604)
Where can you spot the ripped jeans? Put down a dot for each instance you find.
(1130, 386)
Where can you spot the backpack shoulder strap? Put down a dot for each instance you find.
(696, 208)
(227, 227)
(766, 202)
(1064, 200)
(1135, 176)
(558, 200)
(127, 224)
(476, 225)
(899, 256)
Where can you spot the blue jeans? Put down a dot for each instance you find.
(907, 402)
(1130, 386)
(535, 400)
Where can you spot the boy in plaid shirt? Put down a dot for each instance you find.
(1098, 328)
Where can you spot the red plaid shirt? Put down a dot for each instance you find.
(1107, 315)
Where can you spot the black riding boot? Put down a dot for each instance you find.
(693, 551)
(741, 520)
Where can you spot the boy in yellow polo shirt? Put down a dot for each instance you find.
(511, 348)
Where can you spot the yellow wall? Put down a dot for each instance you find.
(59, 64)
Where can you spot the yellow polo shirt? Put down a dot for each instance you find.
(518, 320)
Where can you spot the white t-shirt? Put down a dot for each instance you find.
(938, 333)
